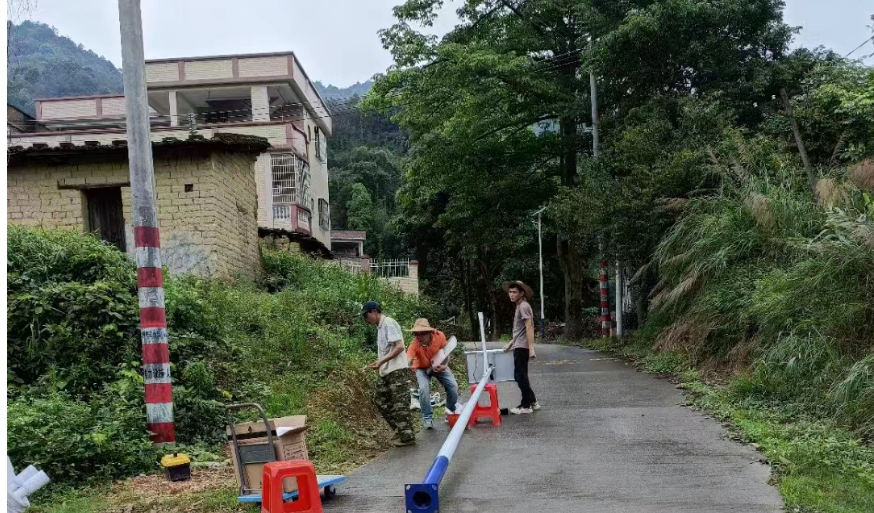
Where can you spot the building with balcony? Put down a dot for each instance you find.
(266, 95)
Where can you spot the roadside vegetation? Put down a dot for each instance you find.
(293, 342)
(732, 183)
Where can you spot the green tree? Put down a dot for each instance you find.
(513, 68)
(361, 211)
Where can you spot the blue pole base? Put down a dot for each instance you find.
(422, 498)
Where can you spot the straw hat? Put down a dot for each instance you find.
(529, 292)
(421, 326)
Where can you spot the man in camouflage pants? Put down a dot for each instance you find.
(392, 390)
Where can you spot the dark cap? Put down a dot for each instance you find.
(369, 307)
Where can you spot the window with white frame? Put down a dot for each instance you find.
(324, 215)
(291, 180)
(284, 175)
(303, 184)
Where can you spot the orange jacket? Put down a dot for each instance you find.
(421, 356)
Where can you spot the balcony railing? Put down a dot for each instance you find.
(282, 212)
(292, 217)
(390, 268)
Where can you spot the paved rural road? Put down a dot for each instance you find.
(607, 440)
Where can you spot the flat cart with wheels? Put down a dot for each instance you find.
(265, 452)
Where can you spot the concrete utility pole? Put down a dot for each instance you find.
(596, 141)
(150, 282)
(603, 281)
(618, 300)
(542, 295)
(606, 327)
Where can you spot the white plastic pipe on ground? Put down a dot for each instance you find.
(19, 487)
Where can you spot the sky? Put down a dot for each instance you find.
(336, 40)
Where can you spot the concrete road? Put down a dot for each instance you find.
(607, 440)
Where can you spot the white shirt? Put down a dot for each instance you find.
(388, 333)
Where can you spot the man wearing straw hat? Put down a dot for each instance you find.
(522, 344)
(427, 343)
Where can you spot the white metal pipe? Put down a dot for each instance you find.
(454, 437)
(482, 332)
(618, 300)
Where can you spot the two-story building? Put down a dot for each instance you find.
(266, 95)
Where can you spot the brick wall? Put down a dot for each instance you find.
(263, 66)
(162, 72)
(236, 205)
(113, 107)
(69, 109)
(408, 285)
(264, 186)
(210, 69)
(260, 103)
(209, 230)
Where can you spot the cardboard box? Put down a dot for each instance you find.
(289, 443)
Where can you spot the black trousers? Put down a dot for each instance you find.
(520, 374)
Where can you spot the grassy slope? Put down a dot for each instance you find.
(294, 343)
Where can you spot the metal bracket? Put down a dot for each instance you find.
(422, 498)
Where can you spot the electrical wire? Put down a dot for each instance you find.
(860, 46)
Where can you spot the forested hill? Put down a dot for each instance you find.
(44, 64)
(333, 94)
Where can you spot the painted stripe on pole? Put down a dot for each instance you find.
(148, 257)
(163, 432)
(150, 277)
(147, 237)
(151, 297)
(156, 373)
(155, 336)
(158, 413)
(156, 353)
(437, 470)
(153, 317)
(605, 299)
(159, 393)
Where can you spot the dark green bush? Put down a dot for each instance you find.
(75, 441)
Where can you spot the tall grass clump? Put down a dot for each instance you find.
(769, 273)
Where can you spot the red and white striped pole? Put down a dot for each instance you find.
(153, 318)
(605, 299)
(153, 323)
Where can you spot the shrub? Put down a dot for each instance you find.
(74, 441)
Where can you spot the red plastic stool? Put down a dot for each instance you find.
(452, 418)
(492, 411)
(308, 500)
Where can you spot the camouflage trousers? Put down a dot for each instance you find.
(393, 402)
